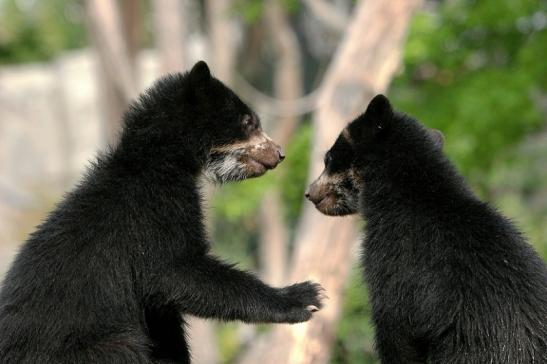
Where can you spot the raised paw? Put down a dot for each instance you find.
(301, 300)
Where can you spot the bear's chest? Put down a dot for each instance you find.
(399, 276)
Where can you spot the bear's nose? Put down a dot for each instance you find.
(314, 194)
(281, 154)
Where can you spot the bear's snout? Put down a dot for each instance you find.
(316, 192)
(268, 153)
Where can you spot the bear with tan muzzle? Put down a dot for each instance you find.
(451, 281)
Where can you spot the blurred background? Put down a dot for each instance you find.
(474, 69)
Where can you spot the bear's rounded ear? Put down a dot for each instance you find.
(437, 137)
(379, 109)
(374, 121)
(376, 117)
(199, 74)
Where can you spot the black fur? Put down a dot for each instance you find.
(451, 280)
(107, 276)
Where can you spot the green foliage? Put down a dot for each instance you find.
(252, 10)
(291, 6)
(228, 341)
(39, 30)
(294, 179)
(471, 70)
(520, 189)
(480, 115)
(237, 200)
(355, 333)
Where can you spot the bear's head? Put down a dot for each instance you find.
(240, 149)
(366, 140)
(200, 124)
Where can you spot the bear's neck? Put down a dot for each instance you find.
(412, 185)
(165, 186)
(157, 152)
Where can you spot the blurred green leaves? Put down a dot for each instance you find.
(293, 181)
(354, 338)
(39, 30)
(252, 10)
(472, 69)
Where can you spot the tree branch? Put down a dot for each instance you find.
(328, 14)
(107, 32)
(273, 106)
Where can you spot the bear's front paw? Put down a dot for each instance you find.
(302, 299)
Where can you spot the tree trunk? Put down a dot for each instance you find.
(202, 341)
(131, 24)
(221, 37)
(170, 34)
(273, 239)
(363, 66)
(288, 68)
(117, 82)
(287, 86)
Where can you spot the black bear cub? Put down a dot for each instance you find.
(451, 280)
(107, 276)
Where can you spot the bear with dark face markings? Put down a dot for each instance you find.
(109, 274)
(451, 281)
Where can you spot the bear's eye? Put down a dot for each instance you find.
(328, 159)
(250, 122)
